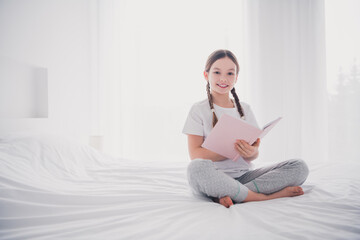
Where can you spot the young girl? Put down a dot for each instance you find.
(222, 179)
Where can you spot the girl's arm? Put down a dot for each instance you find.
(196, 151)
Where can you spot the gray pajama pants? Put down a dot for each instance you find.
(205, 179)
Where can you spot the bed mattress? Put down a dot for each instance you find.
(51, 188)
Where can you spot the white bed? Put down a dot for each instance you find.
(52, 188)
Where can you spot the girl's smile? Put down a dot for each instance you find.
(222, 85)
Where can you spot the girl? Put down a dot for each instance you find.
(221, 179)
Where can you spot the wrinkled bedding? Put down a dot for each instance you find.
(53, 188)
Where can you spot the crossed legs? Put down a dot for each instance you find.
(279, 180)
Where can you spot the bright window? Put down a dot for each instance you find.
(343, 75)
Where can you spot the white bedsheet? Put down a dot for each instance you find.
(53, 189)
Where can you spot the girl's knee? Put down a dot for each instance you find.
(199, 166)
(302, 171)
(197, 170)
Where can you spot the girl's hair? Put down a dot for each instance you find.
(218, 54)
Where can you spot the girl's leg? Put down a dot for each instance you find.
(277, 177)
(280, 180)
(204, 178)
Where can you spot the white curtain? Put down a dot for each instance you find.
(286, 67)
(152, 55)
(343, 75)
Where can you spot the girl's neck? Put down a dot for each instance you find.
(222, 100)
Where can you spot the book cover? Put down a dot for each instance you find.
(228, 129)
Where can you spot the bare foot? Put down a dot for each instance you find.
(286, 192)
(225, 201)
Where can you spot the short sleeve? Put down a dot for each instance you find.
(250, 117)
(194, 124)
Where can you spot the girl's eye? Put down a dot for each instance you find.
(230, 73)
(216, 72)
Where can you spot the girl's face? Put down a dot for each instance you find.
(222, 75)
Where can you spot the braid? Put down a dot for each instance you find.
(237, 102)
(211, 104)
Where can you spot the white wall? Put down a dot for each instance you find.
(54, 35)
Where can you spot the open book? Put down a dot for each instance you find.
(228, 129)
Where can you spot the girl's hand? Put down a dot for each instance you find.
(247, 151)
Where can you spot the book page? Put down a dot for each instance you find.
(269, 126)
(270, 123)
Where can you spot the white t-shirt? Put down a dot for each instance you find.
(199, 122)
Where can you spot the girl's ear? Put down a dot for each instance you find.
(206, 75)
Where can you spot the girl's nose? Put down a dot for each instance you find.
(223, 79)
